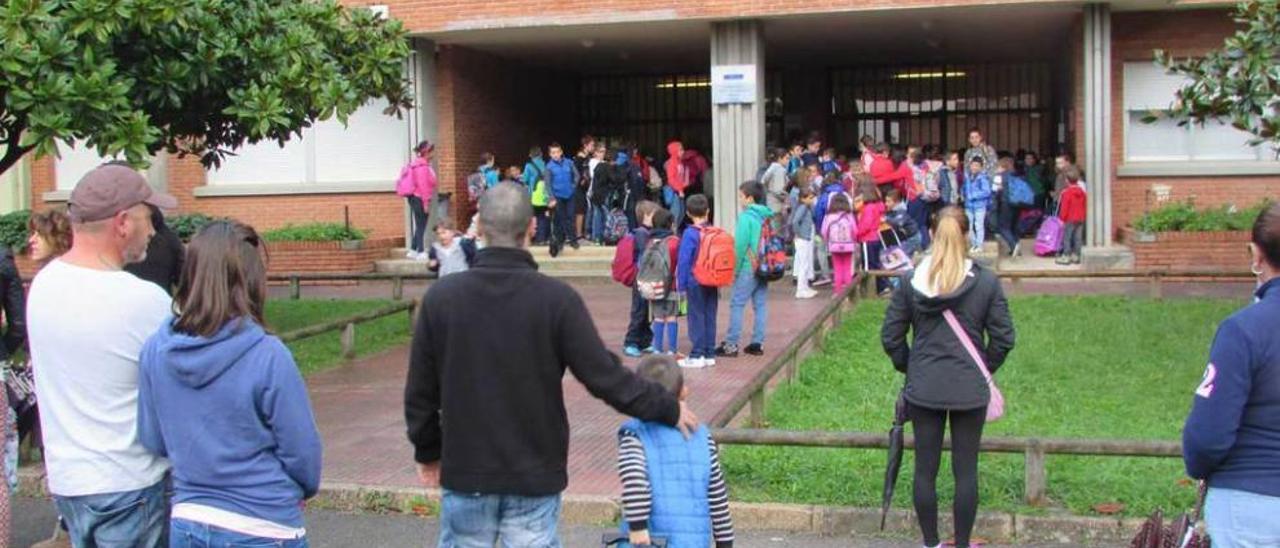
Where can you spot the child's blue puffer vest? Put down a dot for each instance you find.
(561, 175)
(679, 476)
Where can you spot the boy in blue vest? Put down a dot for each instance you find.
(672, 486)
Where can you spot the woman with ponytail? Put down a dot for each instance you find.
(944, 381)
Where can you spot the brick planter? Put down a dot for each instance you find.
(288, 257)
(1188, 250)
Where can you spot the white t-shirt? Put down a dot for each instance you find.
(86, 328)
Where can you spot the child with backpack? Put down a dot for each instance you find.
(489, 170)
(639, 338)
(905, 227)
(1072, 203)
(757, 252)
(839, 229)
(696, 265)
(673, 488)
(869, 211)
(655, 280)
(534, 178)
(802, 231)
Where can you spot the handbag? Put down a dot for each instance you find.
(1180, 533)
(995, 408)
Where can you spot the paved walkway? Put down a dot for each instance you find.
(360, 414)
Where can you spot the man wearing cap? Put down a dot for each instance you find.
(88, 319)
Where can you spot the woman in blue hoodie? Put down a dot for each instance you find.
(224, 402)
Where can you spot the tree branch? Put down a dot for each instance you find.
(12, 150)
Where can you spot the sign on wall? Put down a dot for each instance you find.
(733, 84)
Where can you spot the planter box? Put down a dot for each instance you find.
(357, 256)
(1188, 250)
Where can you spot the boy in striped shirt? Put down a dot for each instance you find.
(672, 486)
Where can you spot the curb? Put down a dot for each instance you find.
(604, 512)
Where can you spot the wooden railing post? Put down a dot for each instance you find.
(295, 288)
(397, 288)
(1036, 482)
(1157, 292)
(348, 340)
(413, 314)
(756, 417)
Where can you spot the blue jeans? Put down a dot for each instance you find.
(747, 287)
(562, 219)
(478, 521)
(189, 534)
(598, 217)
(677, 213)
(702, 320)
(918, 210)
(977, 226)
(1239, 519)
(125, 519)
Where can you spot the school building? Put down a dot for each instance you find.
(732, 76)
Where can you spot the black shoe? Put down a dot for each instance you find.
(554, 250)
(754, 349)
(574, 244)
(726, 350)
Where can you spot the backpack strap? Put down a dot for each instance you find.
(967, 343)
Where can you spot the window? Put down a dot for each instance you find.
(73, 163)
(1147, 87)
(370, 149)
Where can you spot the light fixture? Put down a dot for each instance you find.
(925, 75)
(682, 85)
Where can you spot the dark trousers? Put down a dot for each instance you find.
(419, 211)
(562, 219)
(639, 333)
(918, 210)
(703, 302)
(871, 261)
(966, 434)
(1007, 219)
(543, 229)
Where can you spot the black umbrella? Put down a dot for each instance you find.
(895, 457)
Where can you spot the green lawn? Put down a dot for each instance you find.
(1098, 367)
(324, 351)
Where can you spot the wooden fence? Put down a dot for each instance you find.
(348, 325)
(1155, 279)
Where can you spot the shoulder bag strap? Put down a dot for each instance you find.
(967, 342)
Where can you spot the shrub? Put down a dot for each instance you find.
(14, 231)
(1184, 217)
(314, 232)
(186, 226)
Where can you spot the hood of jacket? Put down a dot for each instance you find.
(928, 299)
(197, 361)
(760, 211)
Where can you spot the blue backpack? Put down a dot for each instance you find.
(1019, 192)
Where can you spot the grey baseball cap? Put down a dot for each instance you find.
(110, 189)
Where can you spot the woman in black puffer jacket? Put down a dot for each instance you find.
(943, 380)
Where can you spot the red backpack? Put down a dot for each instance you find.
(624, 261)
(716, 261)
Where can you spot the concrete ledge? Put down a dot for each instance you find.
(225, 190)
(56, 196)
(1196, 169)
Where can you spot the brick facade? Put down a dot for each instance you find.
(486, 103)
(287, 257)
(1223, 251)
(1183, 34)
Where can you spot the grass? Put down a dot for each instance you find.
(1096, 367)
(324, 351)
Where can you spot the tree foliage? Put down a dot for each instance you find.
(204, 77)
(1239, 83)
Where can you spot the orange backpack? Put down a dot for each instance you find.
(715, 263)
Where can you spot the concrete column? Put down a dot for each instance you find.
(737, 130)
(1097, 123)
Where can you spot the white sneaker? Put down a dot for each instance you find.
(709, 362)
(411, 254)
(422, 256)
(693, 363)
(806, 294)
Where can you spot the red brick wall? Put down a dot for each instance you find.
(1192, 250)
(445, 15)
(485, 103)
(1183, 34)
(287, 257)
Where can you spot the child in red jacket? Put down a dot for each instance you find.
(1071, 210)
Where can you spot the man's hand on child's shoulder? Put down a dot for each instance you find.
(638, 538)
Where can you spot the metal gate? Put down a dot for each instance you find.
(1015, 105)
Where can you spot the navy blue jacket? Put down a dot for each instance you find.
(1232, 437)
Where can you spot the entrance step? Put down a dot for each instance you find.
(584, 262)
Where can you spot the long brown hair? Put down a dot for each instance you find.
(950, 250)
(224, 278)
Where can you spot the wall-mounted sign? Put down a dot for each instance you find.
(733, 84)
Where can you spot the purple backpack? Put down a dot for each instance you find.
(1049, 237)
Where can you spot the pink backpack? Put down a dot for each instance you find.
(404, 185)
(840, 235)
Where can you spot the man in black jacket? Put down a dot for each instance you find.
(484, 393)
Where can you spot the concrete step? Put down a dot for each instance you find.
(563, 267)
(540, 252)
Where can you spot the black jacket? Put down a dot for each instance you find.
(484, 393)
(940, 373)
(163, 265)
(15, 306)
